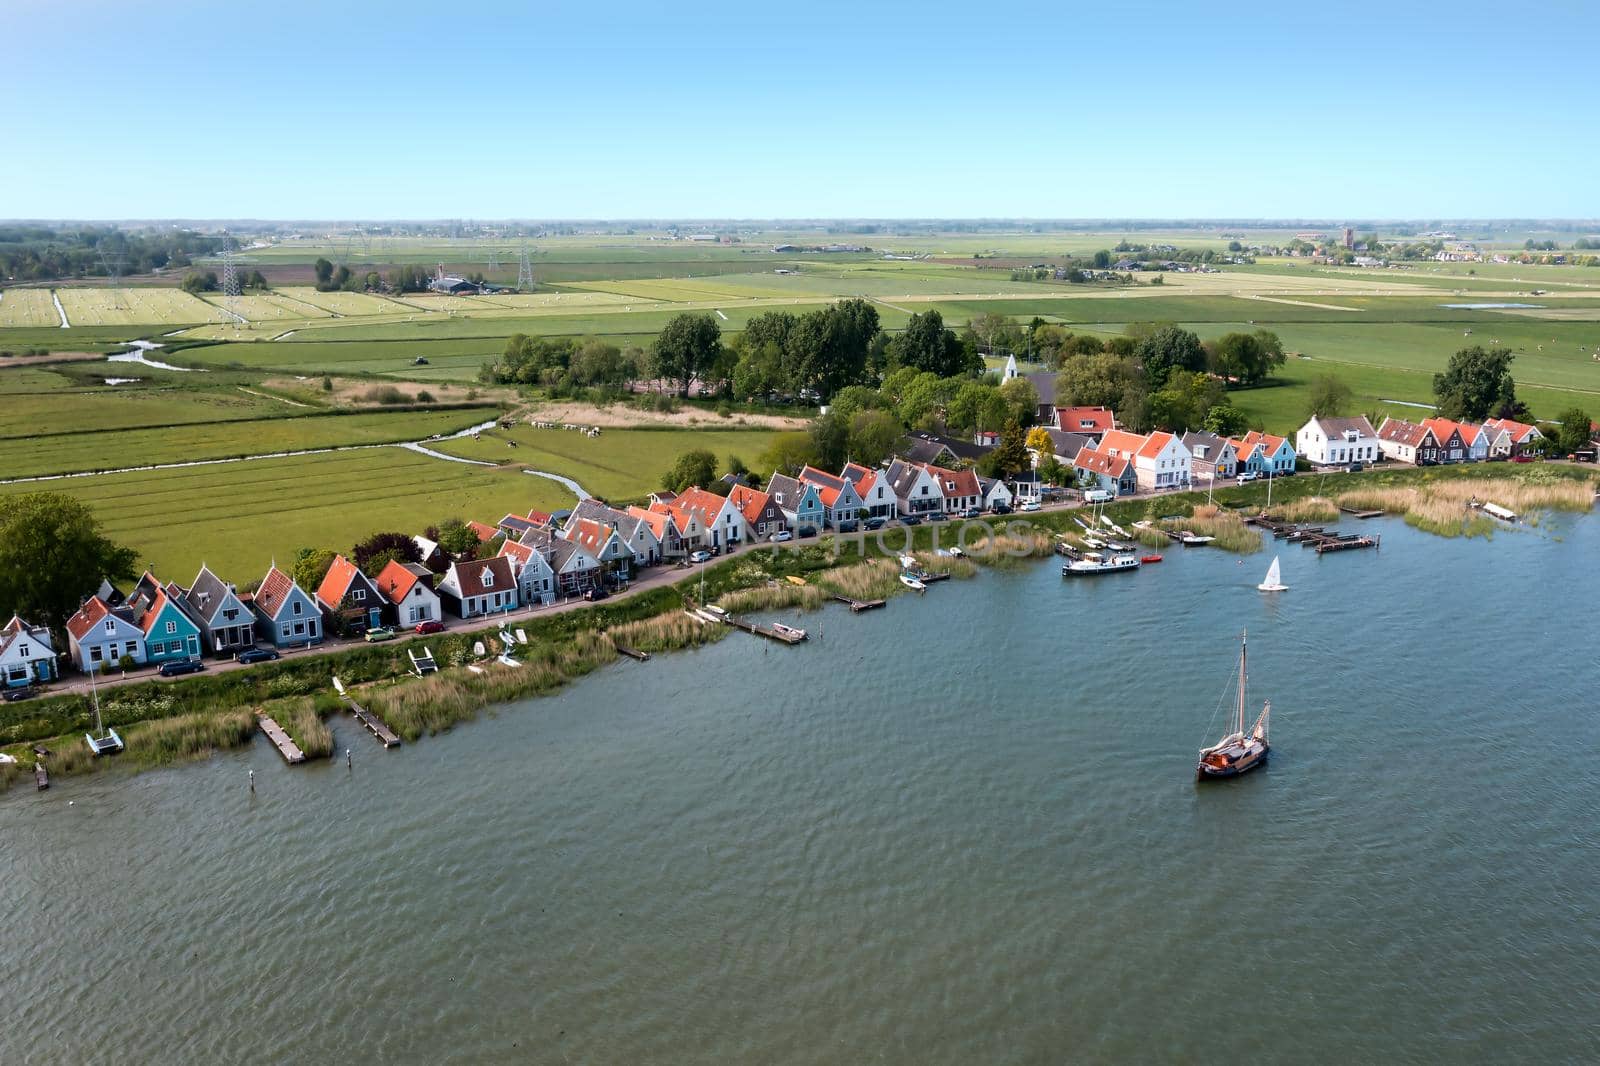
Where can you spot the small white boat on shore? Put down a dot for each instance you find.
(1187, 537)
(789, 631)
(912, 583)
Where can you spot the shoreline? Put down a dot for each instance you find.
(174, 722)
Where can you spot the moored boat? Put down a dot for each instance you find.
(788, 631)
(1093, 563)
(1151, 558)
(912, 583)
(1239, 751)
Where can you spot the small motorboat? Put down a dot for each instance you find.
(794, 632)
(908, 562)
(1150, 558)
(1194, 538)
(914, 583)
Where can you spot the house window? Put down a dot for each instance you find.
(172, 627)
(488, 579)
(297, 607)
(22, 649)
(95, 653)
(299, 626)
(132, 647)
(359, 595)
(111, 627)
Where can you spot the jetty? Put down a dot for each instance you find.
(632, 653)
(282, 741)
(928, 579)
(1318, 538)
(859, 605)
(1355, 512)
(374, 724)
(785, 635)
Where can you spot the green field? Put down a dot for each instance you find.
(71, 452)
(239, 517)
(618, 465)
(37, 400)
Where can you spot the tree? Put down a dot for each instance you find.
(873, 436)
(828, 349)
(595, 362)
(1574, 431)
(1475, 384)
(310, 566)
(1247, 358)
(974, 406)
(926, 345)
(1022, 399)
(1330, 398)
(1102, 260)
(373, 554)
(52, 556)
(1098, 381)
(1225, 420)
(788, 452)
(457, 539)
(196, 282)
(689, 346)
(1167, 349)
(853, 399)
(1011, 457)
(696, 467)
(830, 441)
(324, 272)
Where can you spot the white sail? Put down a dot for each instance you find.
(1274, 579)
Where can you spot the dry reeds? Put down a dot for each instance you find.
(874, 579)
(1441, 506)
(301, 719)
(1225, 527)
(1010, 549)
(170, 740)
(773, 597)
(1308, 509)
(665, 632)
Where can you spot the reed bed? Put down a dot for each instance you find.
(1441, 506)
(1149, 536)
(1225, 526)
(9, 772)
(955, 566)
(1308, 509)
(188, 736)
(666, 632)
(774, 597)
(875, 579)
(302, 719)
(1006, 550)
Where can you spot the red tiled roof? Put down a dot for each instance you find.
(539, 517)
(697, 501)
(273, 591)
(1519, 431)
(158, 600)
(397, 579)
(1443, 427)
(337, 582)
(751, 502)
(1399, 431)
(469, 575)
(1154, 443)
(964, 482)
(590, 534)
(1079, 419)
(88, 616)
(1121, 442)
(658, 521)
(522, 553)
(1096, 461)
(485, 533)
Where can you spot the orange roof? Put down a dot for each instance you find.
(522, 553)
(337, 581)
(590, 534)
(90, 613)
(485, 533)
(1079, 419)
(1121, 442)
(540, 517)
(657, 520)
(751, 502)
(1096, 461)
(954, 482)
(697, 501)
(1519, 430)
(396, 580)
(828, 487)
(1154, 443)
(1443, 427)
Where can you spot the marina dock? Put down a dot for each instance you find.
(781, 636)
(1356, 513)
(1318, 538)
(374, 724)
(859, 605)
(282, 741)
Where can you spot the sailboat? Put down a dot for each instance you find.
(1239, 751)
(1273, 582)
(109, 744)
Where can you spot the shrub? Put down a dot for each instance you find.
(425, 396)
(385, 394)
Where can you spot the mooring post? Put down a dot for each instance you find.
(348, 765)
(252, 780)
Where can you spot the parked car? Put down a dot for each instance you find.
(1356, 468)
(911, 520)
(782, 535)
(181, 666)
(1031, 505)
(849, 526)
(1001, 508)
(432, 625)
(380, 633)
(596, 594)
(1522, 458)
(876, 522)
(1098, 496)
(807, 531)
(12, 695)
(700, 555)
(938, 516)
(972, 512)
(257, 655)
(1248, 476)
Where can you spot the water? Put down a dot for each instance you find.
(963, 829)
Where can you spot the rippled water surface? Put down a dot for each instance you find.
(963, 829)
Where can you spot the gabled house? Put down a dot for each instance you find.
(1510, 439)
(1025, 486)
(663, 526)
(536, 582)
(1264, 454)
(1066, 444)
(475, 587)
(285, 613)
(513, 526)
(1326, 441)
(1092, 422)
(349, 599)
(1104, 470)
(1210, 456)
(1044, 386)
(485, 533)
(100, 635)
(433, 556)
(1455, 440)
(407, 590)
(761, 513)
(226, 624)
(721, 522)
(841, 506)
(27, 656)
(922, 447)
(916, 492)
(994, 493)
(602, 541)
(574, 569)
(877, 495)
(639, 536)
(1408, 442)
(958, 488)
(1160, 460)
(169, 632)
(801, 504)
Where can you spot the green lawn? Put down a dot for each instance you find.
(618, 465)
(113, 449)
(41, 401)
(239, 517)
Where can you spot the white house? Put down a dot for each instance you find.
(474, 587)
(409, 589)
(994, 493)
(1160, 460)
(637, 534)
(722, 522)
(1338, 441)
(877, 496)
(26, 654)
(536, 582)
(916, 491)
(100, 635)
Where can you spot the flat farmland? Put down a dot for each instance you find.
(43, 402)
(239, 517)
(620, 464)
(344, 304)
(27, 307)
(269, 307)
(41, 455)
(135, 306)
(454, 359)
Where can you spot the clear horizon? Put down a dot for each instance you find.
(889, 112)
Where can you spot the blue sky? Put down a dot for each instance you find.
(761, 110)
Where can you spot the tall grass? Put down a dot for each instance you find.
(302, 718)
(188, 736)
(666, 632)
(1309, 509)
(875, 579)
(1005, 550)
(774, 597)
(1225, 526)
(1441, 506)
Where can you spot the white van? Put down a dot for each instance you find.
(1097, 496)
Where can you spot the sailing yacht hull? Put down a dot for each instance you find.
(1209, 772)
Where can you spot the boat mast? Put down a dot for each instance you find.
(1243, 641)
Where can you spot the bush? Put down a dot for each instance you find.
(425, 396)
(385, 394)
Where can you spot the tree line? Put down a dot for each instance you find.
(41, 253)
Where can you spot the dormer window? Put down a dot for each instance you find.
(488, 579)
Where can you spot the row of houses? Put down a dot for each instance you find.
(1435, 441)
(1124, 463)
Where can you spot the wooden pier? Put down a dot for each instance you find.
(632, 653)
(1318, 538)
(1358, 513)
(859, 605)
(928, 579)
(374, 724)
(764, 630)
(282, 741)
